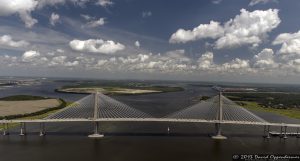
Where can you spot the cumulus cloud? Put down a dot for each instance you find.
(265, 59)
(30, 55)
(146, 14)
(247, 28)
(255, 2)
(7, 40)
(237, 65)
(206, 61)
(54, 18)
(137, 44)
(23, 8)
(290, 43)
(104, 3)
(96, 23)
(211, 30)
(96, 46)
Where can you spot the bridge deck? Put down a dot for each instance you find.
(149, 120)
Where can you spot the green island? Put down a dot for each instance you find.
(282, 103)
(114, 88)
(28, 107)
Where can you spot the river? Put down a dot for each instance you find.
(133, 141)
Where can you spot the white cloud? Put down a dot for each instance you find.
(146, 14)
(236, 65)
(104, 3)
(43, 3)
(96, 23)
(30, 55)
(206, 61)
(265, 59)
(54, 18)
(60, 50)
(247, 28)
(58, 60)
(290, 43)
(6, 40)
(217, 1)
(96, 46)
(86, 17)
(211, 30)
(255, 2)
(21, 7)
(137, 44)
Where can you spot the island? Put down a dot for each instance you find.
(118, 88)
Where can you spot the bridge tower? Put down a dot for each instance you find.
(220, 119)
(96, 133)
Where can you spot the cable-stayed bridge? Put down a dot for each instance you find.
(97, 108)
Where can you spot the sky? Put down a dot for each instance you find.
(207, 40)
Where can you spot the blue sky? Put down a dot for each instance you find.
(207, 40)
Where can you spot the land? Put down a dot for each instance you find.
(283, 103)
(117, 88)
(291, 112)
(21, 106)
(8, 108)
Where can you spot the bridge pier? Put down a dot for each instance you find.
(42, 129)
(22, 129)
(96, 131)
(298, 135)
(5, 129)
(219, 135)
(267, 131)
(285, 129)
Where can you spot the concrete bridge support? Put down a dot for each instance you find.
(96, 133)
(267, 131)
(219, 135)
(23, 129)
(96, 123)
(42, 129)
(5, 129)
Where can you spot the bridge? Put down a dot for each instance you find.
(97, 108)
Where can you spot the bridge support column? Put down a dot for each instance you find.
(298, 135)
(220, 118)
(5, 129)
(219, 135)
(22, 129)
(281, 132)
(285, 129)
(267, 131)
(42, 129)
(96, 131)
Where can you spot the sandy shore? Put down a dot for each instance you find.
(24, 107)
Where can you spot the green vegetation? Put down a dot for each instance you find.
(278, 100)
(292, 112)
(22, 98)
